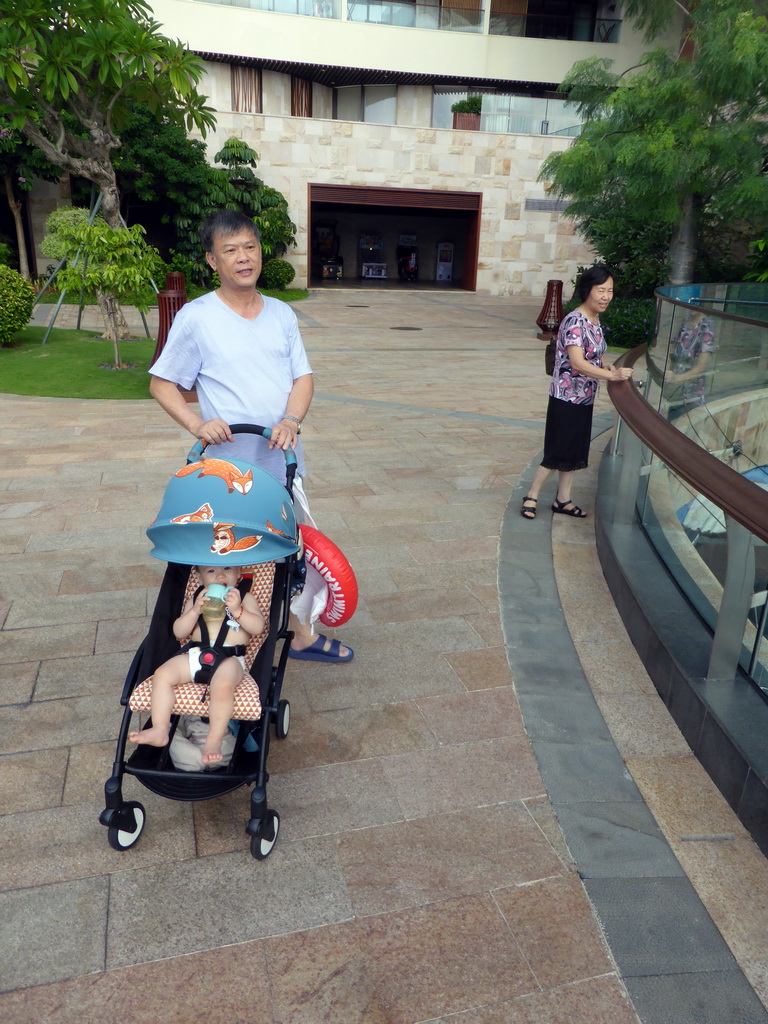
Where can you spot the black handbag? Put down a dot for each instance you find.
(549, 356)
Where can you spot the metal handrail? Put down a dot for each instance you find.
(739, 498)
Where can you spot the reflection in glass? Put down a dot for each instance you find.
(707, 373)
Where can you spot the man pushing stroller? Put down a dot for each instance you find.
(243, 353)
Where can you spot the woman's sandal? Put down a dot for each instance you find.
(575, 511)
(528, 513)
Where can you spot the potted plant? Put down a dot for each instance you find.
(466, 113)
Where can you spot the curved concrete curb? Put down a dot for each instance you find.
(673, 960)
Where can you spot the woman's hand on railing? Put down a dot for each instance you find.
(619, 373)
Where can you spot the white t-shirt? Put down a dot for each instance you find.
(243, 370)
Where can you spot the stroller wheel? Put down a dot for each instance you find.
(132, 817)
(282, 719)
(264, 841)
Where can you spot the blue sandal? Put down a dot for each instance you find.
(317, 651)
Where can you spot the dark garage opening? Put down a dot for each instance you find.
(381, 237)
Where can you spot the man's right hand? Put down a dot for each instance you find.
(212, 431)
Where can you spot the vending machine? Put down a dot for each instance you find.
(444, 261)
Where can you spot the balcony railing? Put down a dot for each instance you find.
(688, 474)
(528, 115)
(410, 15)
(309, 8)
(404, 14)
(708, 376)
(556, 26)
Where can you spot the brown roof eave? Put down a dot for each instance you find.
(330, 75)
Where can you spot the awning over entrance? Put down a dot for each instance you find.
(418, 198)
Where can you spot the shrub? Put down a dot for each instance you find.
(16, 299)
(276, 274)
(629, 322)
(8, 257)
(57, 224)
(471, 105)
(758, 261)
(626, 322)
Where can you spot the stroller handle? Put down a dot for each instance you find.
(197, 449)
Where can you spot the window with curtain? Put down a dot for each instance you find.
(246, 89)
(301, 97)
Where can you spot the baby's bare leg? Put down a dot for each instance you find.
(220, 706)
(170, 675)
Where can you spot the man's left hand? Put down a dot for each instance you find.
(285, 435)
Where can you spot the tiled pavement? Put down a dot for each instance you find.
(420, 874)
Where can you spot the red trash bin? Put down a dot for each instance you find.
(169, 302)
(175, 281)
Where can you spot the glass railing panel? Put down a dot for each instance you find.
(688, 534)
(528, 115)
(408, 15)
(309, 8)
(707, 374)
(707, 367)
(755, 638)
(555, 26)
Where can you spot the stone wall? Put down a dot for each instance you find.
(520, 250)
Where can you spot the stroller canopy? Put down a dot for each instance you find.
(224, 512)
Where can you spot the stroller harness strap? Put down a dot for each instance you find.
(213, 654)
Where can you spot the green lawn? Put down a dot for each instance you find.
(77, 364)
(70, 365)
(51, 296)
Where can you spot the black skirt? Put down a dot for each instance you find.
(567, 435)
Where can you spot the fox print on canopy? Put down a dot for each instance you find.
(215, 510)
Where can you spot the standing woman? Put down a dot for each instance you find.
(578, 370)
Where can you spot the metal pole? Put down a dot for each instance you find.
(759, 638)
(735, 602)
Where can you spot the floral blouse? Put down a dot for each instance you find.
(567, 384)
(693, 339)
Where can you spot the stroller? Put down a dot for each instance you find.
(236, 515)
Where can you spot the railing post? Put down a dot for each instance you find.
(616, 435)
(735, 602)
(631, 463)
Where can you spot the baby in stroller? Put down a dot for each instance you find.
(215, 626)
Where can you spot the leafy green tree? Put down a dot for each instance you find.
(165, 175)
(680, 141)
(83, 63)
(59, 224)
(118, 268)
(20, 165)
(160, 166)
(275, 226)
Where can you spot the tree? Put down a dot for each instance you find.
(266, 205)
(118, 267)
(68, 74)
(679, 142)
(20, 165)
(159, 165)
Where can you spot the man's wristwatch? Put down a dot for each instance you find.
(296, 420)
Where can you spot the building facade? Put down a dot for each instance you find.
(348, 105)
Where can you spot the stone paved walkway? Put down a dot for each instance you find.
(420, 874)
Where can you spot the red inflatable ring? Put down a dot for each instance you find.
(325, 558)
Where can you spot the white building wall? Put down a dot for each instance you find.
(221, 28)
